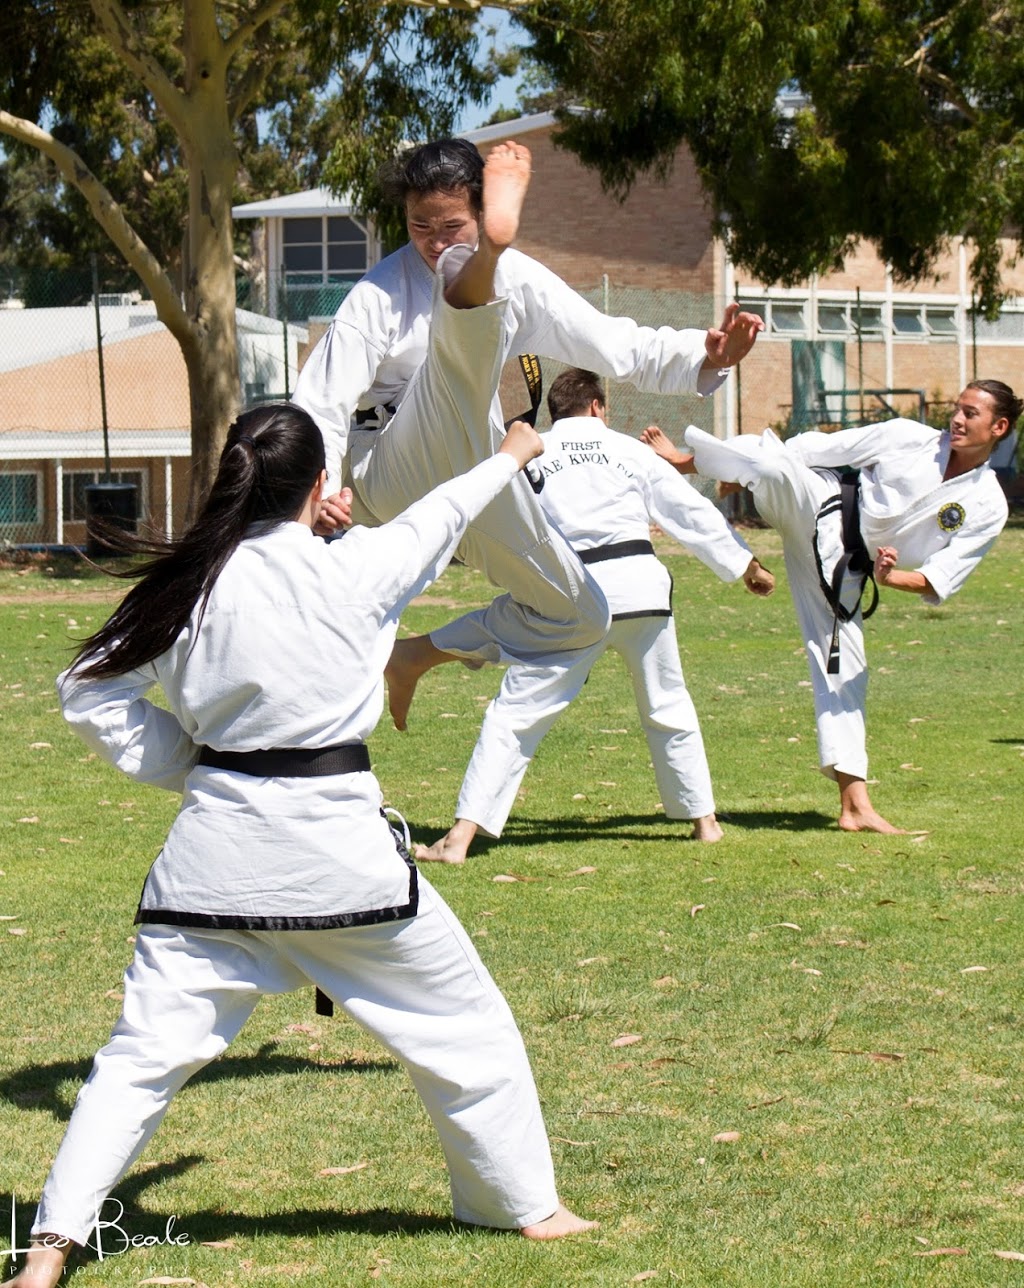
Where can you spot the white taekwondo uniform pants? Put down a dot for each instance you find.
(532, 698)
(553, 604)
(418, 986)
(788, 495)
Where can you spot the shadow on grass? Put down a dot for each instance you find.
(43, 1086)
(123, 1219)
(523, 832)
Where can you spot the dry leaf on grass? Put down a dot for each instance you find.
(969, 970)
(564, 1140)
(697, 907)
(783, 925)
(582, 872)
(644, 1274)
(1009, 1256)
(168, 1279)
(342, 1171)
(16, 930)
(942, 1252)
(217, 1243)
(626, 1039)
(726, 1137)
(666, 981)
(311, 1029)
(512, 876)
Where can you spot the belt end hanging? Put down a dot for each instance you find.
(833, 650)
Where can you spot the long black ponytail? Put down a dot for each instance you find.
(271, 460)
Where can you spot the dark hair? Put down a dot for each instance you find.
(1006, 403)
(445, 165)
(272, 458)
(573, 391)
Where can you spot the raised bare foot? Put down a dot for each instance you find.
(707, 828)
(451, 848)
(401, 676)
(659, 441)
(506, 179)
(560, 1223)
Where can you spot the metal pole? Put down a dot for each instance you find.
(99, 354)
(287, 377)
(860, 358)
(974, 336)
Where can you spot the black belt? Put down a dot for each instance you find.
(617, 550)
(369, 417)
(291, 762)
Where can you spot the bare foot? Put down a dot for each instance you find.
(44, 1263)
(410, 659)
(560, 1223)
(451, 848)
(707, 828)
(870, 821)
(659, 441)
(506, 179)
(856, 813)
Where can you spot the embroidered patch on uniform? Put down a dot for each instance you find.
(951, 516)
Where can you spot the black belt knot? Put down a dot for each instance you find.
(615, 550)
(291, 762)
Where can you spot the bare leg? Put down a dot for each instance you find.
(410, 659)
(560, 1223)
(506, 179)
(44, 1263)
(660, 442)
(450, 848)
(857, 814)
(707, 828)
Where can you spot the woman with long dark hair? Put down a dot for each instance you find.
(281, 867)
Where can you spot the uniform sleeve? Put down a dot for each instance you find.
(949, 568)
(694, 521)
(559, 323)
(113, 719)
(403, 557)
(857, 448)
(340, 370)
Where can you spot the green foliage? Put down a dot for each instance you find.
(358, 78)
(816, 992)
(900, 123)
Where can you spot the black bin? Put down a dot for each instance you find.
(113, 503)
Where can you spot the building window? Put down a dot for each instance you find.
(942, 322)
(19, 498)
(1009, 325)
(76, 481)
(834, 319)
(788, 319)
(323, 249)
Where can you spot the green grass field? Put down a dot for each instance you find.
(847, 1008)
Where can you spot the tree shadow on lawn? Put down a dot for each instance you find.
(523, 832)
(43, 1086)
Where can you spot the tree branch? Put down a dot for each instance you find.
(245, 31)
(124, 42)
(110, 217)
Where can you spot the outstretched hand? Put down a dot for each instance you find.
(521, 442)
(733, 340)
(335, 513)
